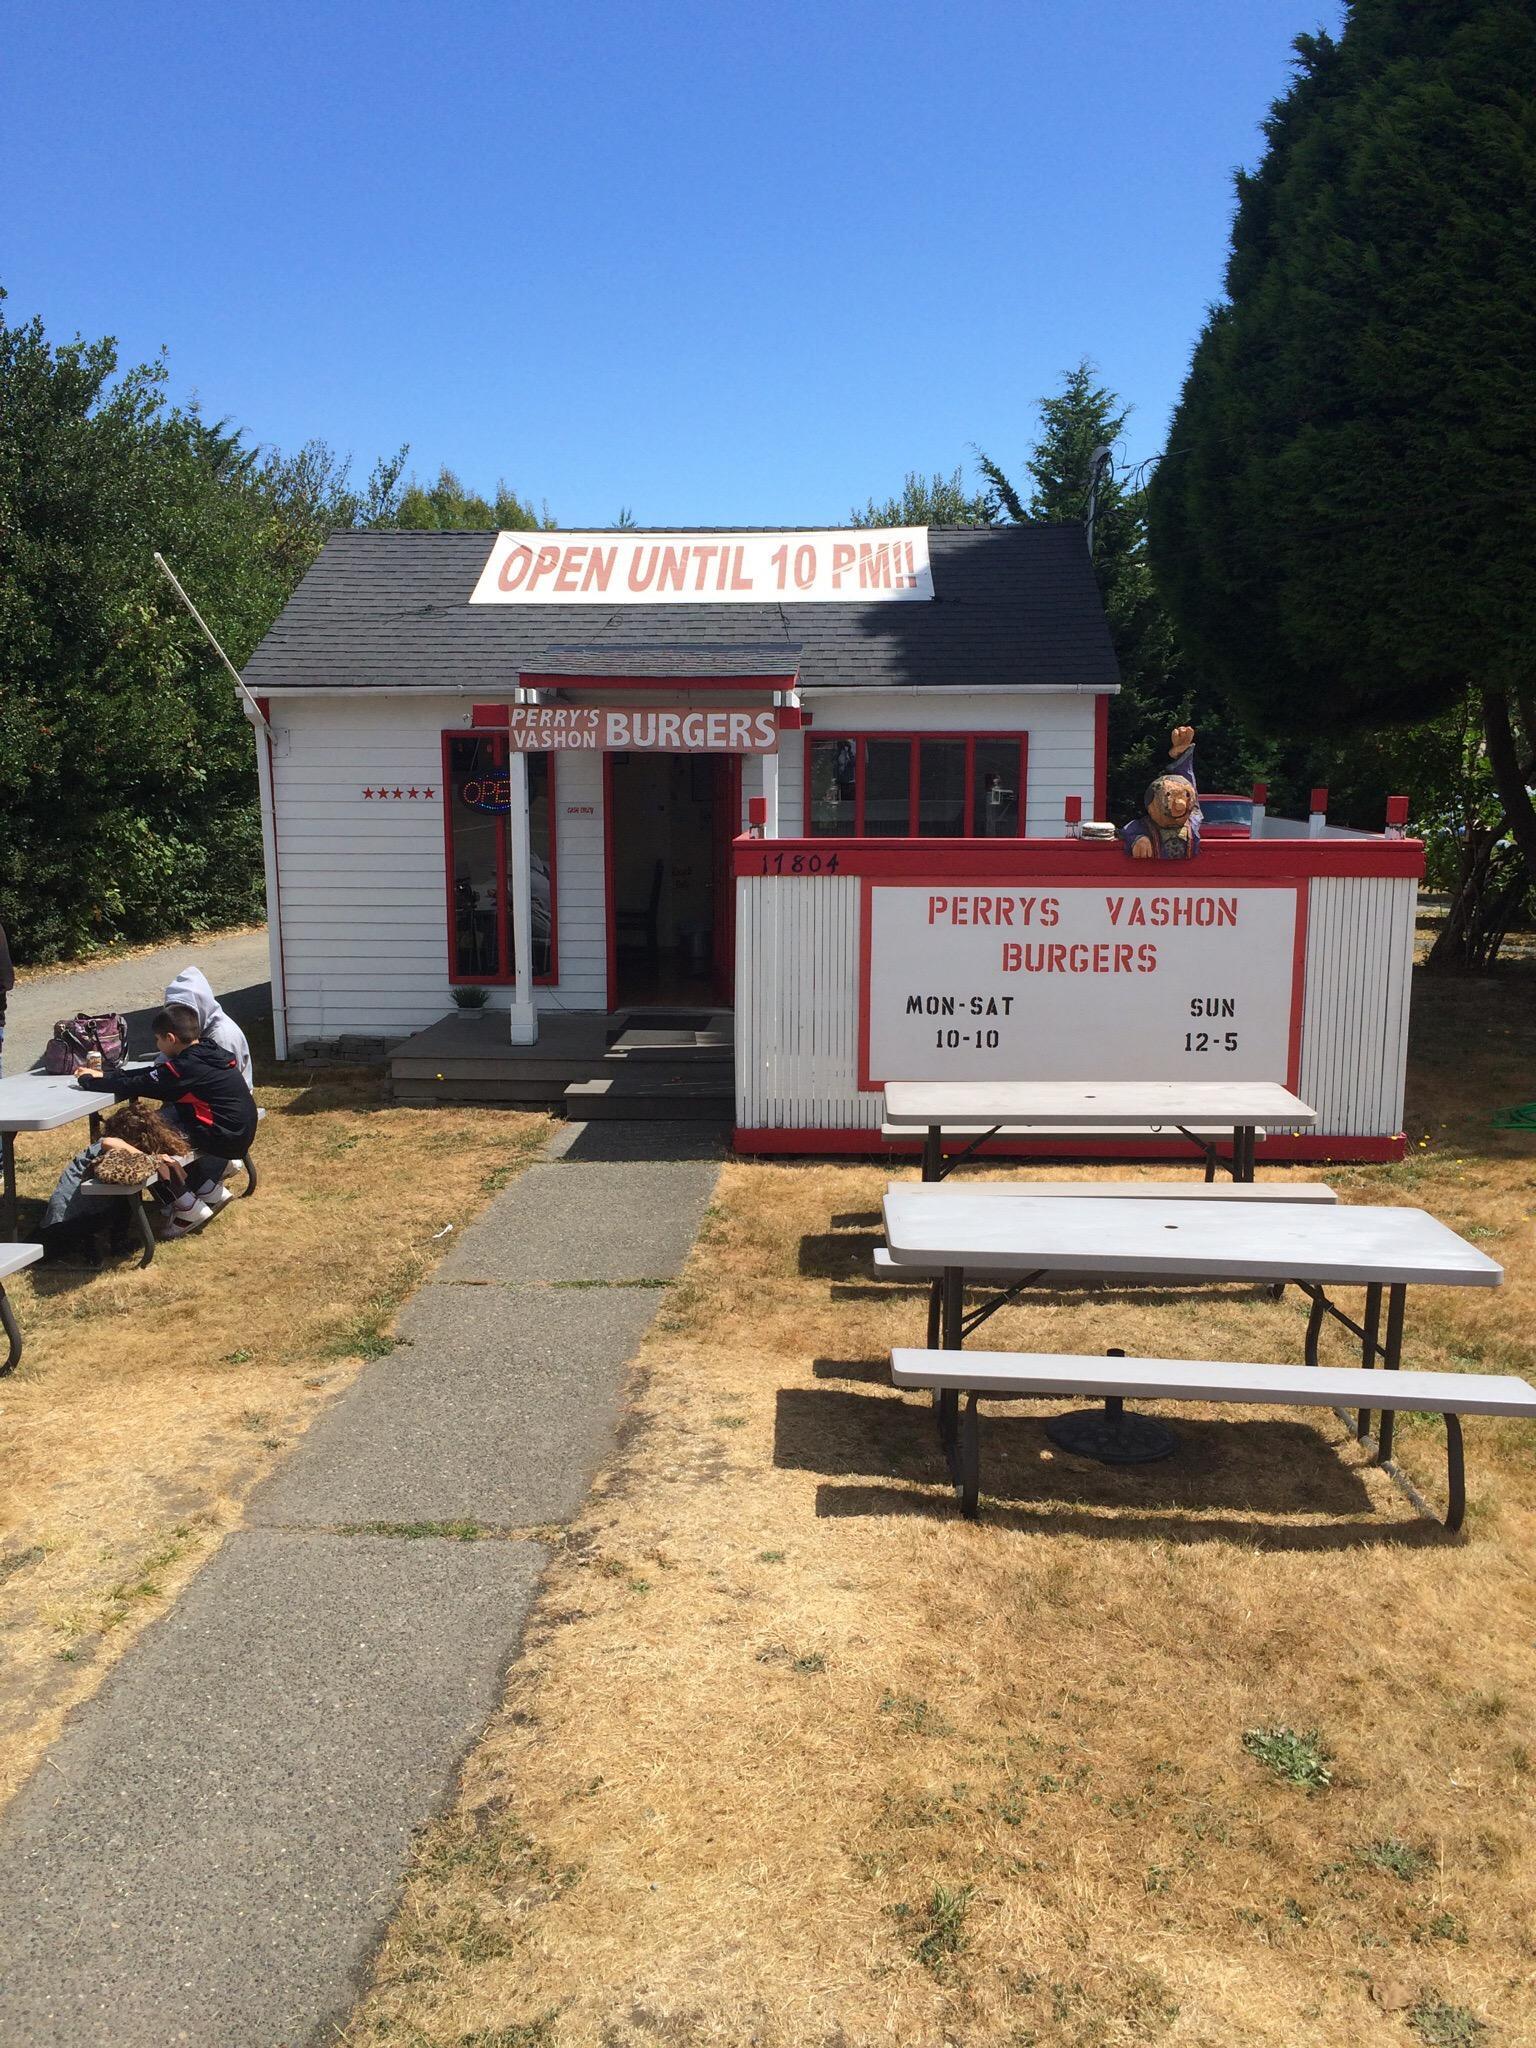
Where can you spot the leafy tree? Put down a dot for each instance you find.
(448, 503)
(127, 775)
(927, 501)
(126, 772)
(1345, 518)
(1157, 690)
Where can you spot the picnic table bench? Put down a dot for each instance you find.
(1201, 1111)
(14, 1258)
(1015, 1375)
(1017, 1241)
(38, 1102)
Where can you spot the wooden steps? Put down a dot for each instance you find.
(640, 1065)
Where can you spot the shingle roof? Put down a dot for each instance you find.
(1013, 605)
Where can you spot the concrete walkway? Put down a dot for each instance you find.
(215, 1845)
(237, 968)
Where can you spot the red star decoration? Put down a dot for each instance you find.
(367, 792)
(429, 791)
(411, 793)
(397, 792)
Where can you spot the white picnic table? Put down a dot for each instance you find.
(13, 1258)
(1193, 1109)
(1311, 1246)
(39, 1102)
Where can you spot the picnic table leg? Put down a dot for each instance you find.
(1315, 1315)
(1456, 1475)
(93, 1125)
(970, 1459)
(1392, 1358)
(933, 1153)
(935, 1312)
(12, 1330)
(1370, 1350)
(8, 1157)
(1244, 1147)
(145, 1230)
(952, 1288)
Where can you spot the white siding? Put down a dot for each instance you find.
(361, 884)
(797, 951)
(1060, 728)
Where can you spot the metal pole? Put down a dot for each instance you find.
(253, 709)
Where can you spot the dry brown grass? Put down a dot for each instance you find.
(798, 1758)
(148, 1403)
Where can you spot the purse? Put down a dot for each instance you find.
(75, 1039)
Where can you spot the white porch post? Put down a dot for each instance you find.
(525, 1018)
(771, 793)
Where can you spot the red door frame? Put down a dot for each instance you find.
(725, 826)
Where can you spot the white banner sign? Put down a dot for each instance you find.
(1075, 981)
(881, 565)
(637, 729)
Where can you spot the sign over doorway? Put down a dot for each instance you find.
(639, 729)
(885, 566)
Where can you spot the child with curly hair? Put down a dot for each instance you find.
(137, 1147)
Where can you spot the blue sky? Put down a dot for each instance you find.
(717, 264)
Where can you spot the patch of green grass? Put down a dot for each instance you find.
(238, 1357)
(568, 1286)
(1397, 1858)
(770, 1557)
(1304, 1760)
(1446, 1927)
(458, 1532)
(730, 1422)
(939, 1928)
(914, 1716)
(537, 2033)
(1439, 2025)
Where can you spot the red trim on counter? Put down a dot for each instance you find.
(1009, 860)
(1278, 1151)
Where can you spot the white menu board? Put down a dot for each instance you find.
(1077, 981)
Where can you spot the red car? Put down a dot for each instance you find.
(1226, 817)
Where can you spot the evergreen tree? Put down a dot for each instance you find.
(1345, 518)
(1156, 690)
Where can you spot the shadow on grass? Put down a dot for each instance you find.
(1258, 1465)
(1134, 1525)
(838, 1254)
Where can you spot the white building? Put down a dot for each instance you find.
(946, 683)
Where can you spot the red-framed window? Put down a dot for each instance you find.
(916, 785)
(476, 798)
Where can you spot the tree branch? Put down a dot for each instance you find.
(1508, 780)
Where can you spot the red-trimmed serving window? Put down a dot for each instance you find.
(916, 785)
(475, 803)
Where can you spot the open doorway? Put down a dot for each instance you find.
(670, 819)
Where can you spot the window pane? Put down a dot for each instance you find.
(477, 803)
(887, 788)
(833, 787)
(941, 789)
(995, 801)
(540, 861)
